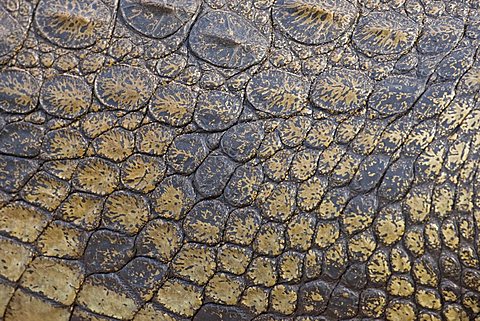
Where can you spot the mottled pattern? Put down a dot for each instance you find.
(237, 160)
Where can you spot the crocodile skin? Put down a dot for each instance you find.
(236, 160)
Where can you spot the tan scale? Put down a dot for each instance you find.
(401, 311)
(116, 144)
(304, 164)
(400, 285)
(277, 166)
(233, 259)
(39, 309)
(22, 221)
(283, 299)
(361, 246)
(300, 232)
(15, 259)
(262, 271)
(378, 269)
(82, 209)
(125, 212)
(224, 289)
(255, 299)
(389, 226)
(290, 266)
(195, 263)
(310, 192)
(46, 191)
(400, 260)
(327, 233)
(63, 241)
(58, 280)
(428, 298)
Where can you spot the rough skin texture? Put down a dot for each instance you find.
(235, 160)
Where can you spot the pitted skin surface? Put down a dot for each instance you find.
(237, 160)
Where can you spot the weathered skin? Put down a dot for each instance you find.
(236, 160)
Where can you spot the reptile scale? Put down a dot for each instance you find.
(237, 160)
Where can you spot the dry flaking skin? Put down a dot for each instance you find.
(215, 160)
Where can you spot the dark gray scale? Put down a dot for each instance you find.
(355, 277)
(21, 139)
(206, 221)
(471, 279)
(343, 303)
(440, 35)
(213, 174)
(426, 65)
(227, 40)
(395, 95)
(394, 136)
(434, 100)
(158, 18)
(397, 179)
(217, 110)
(241, 141)
(15, 172)
(18, 91)
(12, 30)
(456, 63)
(369, 173)
(275, 317)
(216, 312)
(244, 184)
(144, 276)
(108, 251)
(406, 63)
(73, 24)
(186, 153)
(308, 294)
(450, 266)
(302, 20)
